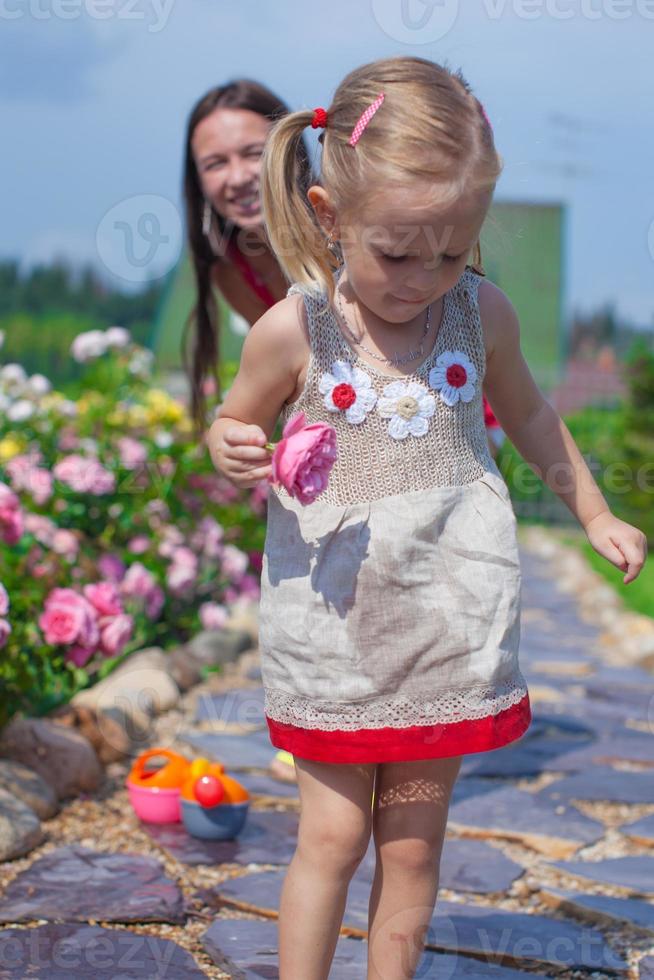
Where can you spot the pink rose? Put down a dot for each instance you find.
(138, 581)
(104, 598)
(84, 475)
(5, 630)
(115, 634)
(212, 616)
(79, 655)
(303, 458)
(234, 562)
(64, 542)
(138, 544)
(11, 516)
(154, 602)
(111, 568)
(4, 600)
(69, 618)
(132, 453)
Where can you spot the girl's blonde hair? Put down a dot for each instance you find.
(430, 126)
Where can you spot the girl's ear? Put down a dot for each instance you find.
(319, 200)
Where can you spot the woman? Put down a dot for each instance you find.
(229, 250)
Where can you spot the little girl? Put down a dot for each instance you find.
(390, 606)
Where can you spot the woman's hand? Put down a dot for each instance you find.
(238, 452)
(620, 543)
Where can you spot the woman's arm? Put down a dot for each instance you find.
(273, 355)
(543, 439)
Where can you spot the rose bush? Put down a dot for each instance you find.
(116, 532)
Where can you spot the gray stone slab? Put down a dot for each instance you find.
(70, 951)
(642, 829)
(529, 758)
(602, 783)
(646, 968)
(240, 706)
(235, 751)
(633, 910)
(267, 838)
(497, 934)
(479, 803)
(633, 871)
(466, 866)
(252, 947)
(74, 883)
(268, 785)
(522, 939)
(630, 746)
(630, 696)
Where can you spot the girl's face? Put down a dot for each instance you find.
(227, 146)
(401, 255)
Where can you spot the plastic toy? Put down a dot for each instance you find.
(210, 803)
(155, 793)
(210, 820)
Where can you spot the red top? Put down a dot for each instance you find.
(259, 287)
(250, 276)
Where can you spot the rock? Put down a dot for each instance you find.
(20, 828)
(210, 648)
(74, 883)
(245, 617)
(108, 738)
(62, 757)
(27, 786)
(184, 670)
(267, 837)
(77, 951)
(132, 695)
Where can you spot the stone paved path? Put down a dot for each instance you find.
(547, 869)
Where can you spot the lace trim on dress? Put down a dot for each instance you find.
(469, 704)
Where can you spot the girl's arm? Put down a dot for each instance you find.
(543, 439)
(273, 355)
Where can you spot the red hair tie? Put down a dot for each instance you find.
(319, 118)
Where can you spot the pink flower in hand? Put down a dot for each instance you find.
(303, 458)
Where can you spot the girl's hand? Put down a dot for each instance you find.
(620, 543)
(238, 452)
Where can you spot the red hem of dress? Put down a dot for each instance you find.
(403, 744)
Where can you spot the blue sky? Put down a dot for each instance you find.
(94, 96)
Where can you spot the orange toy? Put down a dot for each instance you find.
(234, 791)
(170, 776)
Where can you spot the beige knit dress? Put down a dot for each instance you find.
(390, 606)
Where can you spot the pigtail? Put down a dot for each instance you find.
(293, 231)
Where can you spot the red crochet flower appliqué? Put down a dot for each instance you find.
(344, 395)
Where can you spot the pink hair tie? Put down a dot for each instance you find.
(364, 119)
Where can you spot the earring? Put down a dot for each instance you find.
(206, 218)
(331, 244)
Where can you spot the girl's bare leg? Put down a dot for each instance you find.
(409, 822)
(333, 836)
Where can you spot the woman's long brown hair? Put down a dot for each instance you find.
(202, 326)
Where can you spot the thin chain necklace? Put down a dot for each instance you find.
(397, 360)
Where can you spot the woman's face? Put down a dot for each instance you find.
(227, 147)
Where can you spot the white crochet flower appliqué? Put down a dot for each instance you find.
(454, 375)
(347, 389)
(408, 405)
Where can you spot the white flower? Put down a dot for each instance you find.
(38, 384)
(163, 439)
(20, 410)
(408, 405)
(13, 374)
(347, 389)
(89, 345)
(141, 361)
(2, 337)
(454, 375)
(117, 337)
